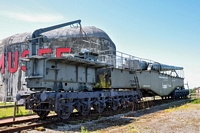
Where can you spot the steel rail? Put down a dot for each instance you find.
(24, 127)
(10, 106)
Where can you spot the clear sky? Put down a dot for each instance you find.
(167, 31)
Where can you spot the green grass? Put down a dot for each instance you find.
(83, 130)
(8, 112)
(7, 103)
(195, 101)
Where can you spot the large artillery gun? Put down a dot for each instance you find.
(84, 79)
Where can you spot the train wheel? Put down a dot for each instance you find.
(131, 98)
(99, 107)
(123, 102)
(84, 109)
(115, 104)
(40, 111)
(65, 108)
(83, 106)
(65, 112)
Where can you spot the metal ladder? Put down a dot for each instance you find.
(137, 85)
(136, 81)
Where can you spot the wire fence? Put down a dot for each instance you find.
(7, 99)
(9, 107)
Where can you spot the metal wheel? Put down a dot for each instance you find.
(99, 107)
(41, 111)
(84, 109)
(65, 112)
(123, 102)
(132, 98)
(115, 104)
(65, 109)
(83, 106)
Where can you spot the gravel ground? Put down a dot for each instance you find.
(183, 119)
(159, 119)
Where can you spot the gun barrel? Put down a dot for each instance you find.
(163, 67)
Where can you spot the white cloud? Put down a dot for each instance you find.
(33, 17)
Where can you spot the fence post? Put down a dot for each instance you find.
(15, 108)
(4, 100)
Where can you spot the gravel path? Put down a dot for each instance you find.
(183, 119)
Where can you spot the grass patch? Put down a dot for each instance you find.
(195, 101)
(8, 112)
(170, 109)
(7, 103)
(131, 129)
(83, 130)
(183, 107)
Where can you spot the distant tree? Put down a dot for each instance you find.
(192, 90)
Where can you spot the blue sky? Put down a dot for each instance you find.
(164, 31)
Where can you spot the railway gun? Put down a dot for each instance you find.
(91, 77)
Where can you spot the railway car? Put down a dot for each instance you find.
(85, 74)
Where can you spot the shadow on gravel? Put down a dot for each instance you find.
(117, 120)
(161, 107)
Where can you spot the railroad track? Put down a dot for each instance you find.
(24, 124)
(31, 123)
